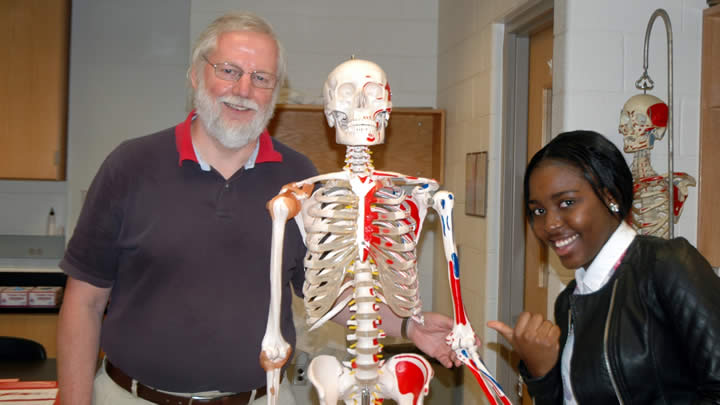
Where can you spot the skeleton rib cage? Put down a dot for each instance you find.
(391, 232)
(361, 230)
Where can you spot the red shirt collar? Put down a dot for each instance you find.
(186, 151)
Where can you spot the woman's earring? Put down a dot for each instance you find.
(614, 207)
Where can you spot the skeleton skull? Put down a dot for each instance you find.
(642, 121)
(357, 103)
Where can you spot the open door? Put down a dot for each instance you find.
(538, 134)
(539, 116)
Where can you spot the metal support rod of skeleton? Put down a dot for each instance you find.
(662, 224)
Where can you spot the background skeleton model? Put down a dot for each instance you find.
(645, 119)
(361, 228)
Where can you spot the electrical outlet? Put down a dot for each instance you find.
(302, 361)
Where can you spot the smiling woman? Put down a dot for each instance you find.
(627, 287)
(576, 196)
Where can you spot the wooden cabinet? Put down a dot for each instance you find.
(33, 88)
(414, 140)
(709, 187)
(38, 324)
(40, 327)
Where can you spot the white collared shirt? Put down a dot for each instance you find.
(591, 280)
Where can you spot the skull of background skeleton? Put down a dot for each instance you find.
(357, 103)
(643, 120)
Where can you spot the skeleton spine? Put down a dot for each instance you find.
(357, 159)
(367, 348)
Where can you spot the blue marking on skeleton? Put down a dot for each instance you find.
(450, 196)
(425, 185)
(489, 377)
(456, 263)
(442, 219)
(442, 203)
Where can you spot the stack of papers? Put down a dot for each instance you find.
(15, 392)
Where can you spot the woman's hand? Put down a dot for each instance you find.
(535, 339)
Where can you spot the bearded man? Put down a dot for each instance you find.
(174, 234)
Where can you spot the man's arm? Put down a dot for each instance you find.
(430, 337)
(79, 340)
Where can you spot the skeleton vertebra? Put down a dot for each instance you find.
(361, 228)
(643, 120)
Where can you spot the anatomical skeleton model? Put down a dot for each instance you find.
(361, 228)
(642, 122)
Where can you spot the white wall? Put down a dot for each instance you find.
(400, 36)
(25, 205)
(127, 79)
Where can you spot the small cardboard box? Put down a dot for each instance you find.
(45, 296)
(14, 296)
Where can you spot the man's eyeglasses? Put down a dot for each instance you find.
(232, 73)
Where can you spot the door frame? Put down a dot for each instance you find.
(516, 45)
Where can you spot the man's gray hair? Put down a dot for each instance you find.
(237, 21)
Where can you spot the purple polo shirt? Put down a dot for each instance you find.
(187, 254)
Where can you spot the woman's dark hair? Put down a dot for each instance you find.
(600, 161)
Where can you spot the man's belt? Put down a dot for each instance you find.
(159, 397)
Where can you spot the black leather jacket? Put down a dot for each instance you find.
(651, 335)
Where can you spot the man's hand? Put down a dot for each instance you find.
(535, 339)
(430, 338)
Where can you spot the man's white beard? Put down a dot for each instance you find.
(229, 134)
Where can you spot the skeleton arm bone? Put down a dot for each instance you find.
(462, 339)
(462, 336)
(275, 349)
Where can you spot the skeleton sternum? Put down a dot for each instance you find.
(365, 188)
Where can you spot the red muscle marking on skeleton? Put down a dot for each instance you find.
(411, 377)
(414, 214)
(658, 114)
(457, 296)
(369, 230)
(677, 202)
(678, 198)
(383, 174)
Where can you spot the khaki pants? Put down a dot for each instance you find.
(106, 392)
